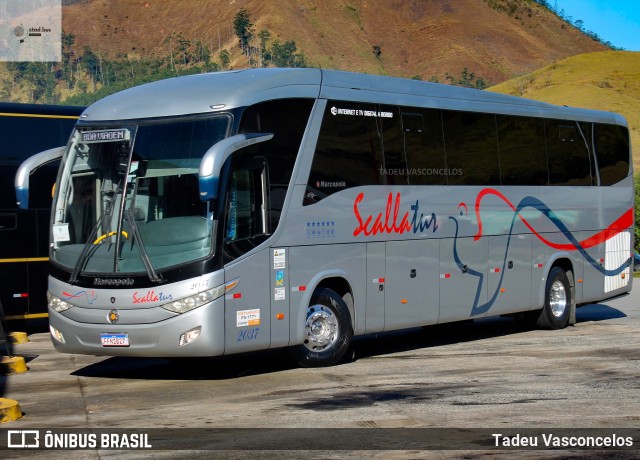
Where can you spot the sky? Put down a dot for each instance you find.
(616, 21)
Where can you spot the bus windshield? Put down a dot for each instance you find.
(127, 199)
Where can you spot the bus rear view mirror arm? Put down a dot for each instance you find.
(215, 157)
(29, 166)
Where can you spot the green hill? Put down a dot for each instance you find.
(608, 80)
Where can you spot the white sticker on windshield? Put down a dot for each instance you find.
(61, 233)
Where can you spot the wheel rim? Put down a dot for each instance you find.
(321, 328)
(558, 299)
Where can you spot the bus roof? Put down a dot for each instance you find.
(219, 91)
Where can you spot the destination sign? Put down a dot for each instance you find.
(106, 135)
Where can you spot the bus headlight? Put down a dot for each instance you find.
(57, 304)
(197, 300)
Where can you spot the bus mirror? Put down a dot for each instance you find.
(215, 157)
(28, 167)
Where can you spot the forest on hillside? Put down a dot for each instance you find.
(89, 76)
(85, 76)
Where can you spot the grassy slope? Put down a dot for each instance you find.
(607, 80)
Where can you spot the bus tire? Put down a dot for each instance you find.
(557, 301)
(327, 331)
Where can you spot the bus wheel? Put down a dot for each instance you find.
(327, 331)
(557, 301)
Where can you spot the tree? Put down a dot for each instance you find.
(91, 63)
(183, 48)
(68, 40)
(39, 80)
(202, 52)
(225, 59)
(284, 55)
(264, 36)
(243, 28)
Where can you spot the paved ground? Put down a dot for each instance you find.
(490, 374)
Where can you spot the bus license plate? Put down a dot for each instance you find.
(114, 340)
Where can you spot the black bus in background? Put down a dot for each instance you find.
(26, 129)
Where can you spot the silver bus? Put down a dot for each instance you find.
(228, 212)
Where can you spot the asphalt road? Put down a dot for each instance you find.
(489, 374)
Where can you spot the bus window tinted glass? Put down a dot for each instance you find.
(32, 135)
(188, 139)
(27, 136)
(471, 148)
(41, 186)
(424, 147)
(348, 152)
(395, 159)
(286, 120)
(523, 157)
(568, 152)
(612, 152)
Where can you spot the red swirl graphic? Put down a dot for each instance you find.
(621, 223)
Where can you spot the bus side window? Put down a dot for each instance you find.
(424, 147)
(286, 119)
(396, 170)
(612, 151)
(523, 153)
(471, 147)
(349, 151)
(568, 152)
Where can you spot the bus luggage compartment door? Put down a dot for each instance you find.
(375, 287)
(463, 283)
(412, 296)
(509, 274)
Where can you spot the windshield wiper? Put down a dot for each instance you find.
(84, 255)
(151, 273)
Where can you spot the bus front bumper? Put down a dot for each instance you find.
(160, 339)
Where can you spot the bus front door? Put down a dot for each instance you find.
(247, 306)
